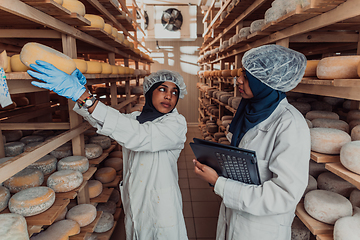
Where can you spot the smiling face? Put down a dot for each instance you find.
(243, 85)
(165, 96)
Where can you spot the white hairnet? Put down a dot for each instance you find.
(163, 76)
(278, 67)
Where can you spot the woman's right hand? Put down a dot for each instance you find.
(205, 172)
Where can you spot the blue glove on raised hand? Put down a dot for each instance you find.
(69, 86)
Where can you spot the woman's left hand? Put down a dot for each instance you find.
(205, 172)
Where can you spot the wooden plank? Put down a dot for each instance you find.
(114, 183)
(98, 160)
(34, 229)
(73, 193)
(125, 103)
(324, 158)
(315, 227)
(105, 235)
(103, 197)
(324, 237)
(344, 173)
(81, 236)
(91, 226)
(89, 173)
(35, 126)
(109, 150)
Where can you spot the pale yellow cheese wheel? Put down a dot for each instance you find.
(96, 21)
(126, 42)
(114, 32)
(350, 156)
(115, 69)
(4, 197)
(60, 230)
(34, 51)
(32, 201)
(77, 163)
(8, 69)
(13, 227)
(81, 65)
(24, 179)
(311, 115)
(330, 123)
(310, 70)
(122, 70)
(17, 65)
(106, 68)
(105, 175)
(74, 6)
(338, 67)
(84, 214)
(108, 28)
(93, 67)
(120, 37)
(95, 188)
(328, 140)
(59, 1)
(65, 180)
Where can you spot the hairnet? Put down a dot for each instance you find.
(278, 67)
(163, 76)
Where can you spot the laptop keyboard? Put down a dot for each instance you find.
(235, 167)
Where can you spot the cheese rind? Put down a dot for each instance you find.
(31, 139)
(338, 67)
(17, 65)
(24, 179)
(74, 6)
(13, 227)
(32, 201)
(93, 151)
(109, 207)
(328, 140)
(60, 230)
(77, 163)
(96, 21)
(103, 141)
(81, 65)
(13, 148)
(105, 174)
(65, 180)
(4, 197)
(106, 222)
(331, 182)
(95, 188)
(310, 70)
(46, 164)
(116, 163)
(62, 151)
(93, 67)
(84, 214)
(350, 156)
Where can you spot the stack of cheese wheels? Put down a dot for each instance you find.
(65, 180)
(105, 223)
(17, 65)
(103, 141)
(93, 67)
(13, 148)
(331, 182)
(327, 206)
(338, 67)
(77, 163)
(81, 65)
(34, 51)
(315, 169)
(83, 214)
(24, 179)
(74, 6)
(59, 230)
(93, 150)
(105, 175)
(95, 188)
(63, 151)
(328, 140)
(13, 227)
(32, 201)
(4, 197)
(96, 21)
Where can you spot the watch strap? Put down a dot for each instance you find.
(81, 103)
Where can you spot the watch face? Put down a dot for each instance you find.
(88, 102)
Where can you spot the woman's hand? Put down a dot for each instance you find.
(205, 172)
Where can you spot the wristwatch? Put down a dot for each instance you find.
(88, 102)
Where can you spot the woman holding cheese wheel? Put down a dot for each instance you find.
(266, 123)
(151, 142)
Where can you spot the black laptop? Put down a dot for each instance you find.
(228, 161)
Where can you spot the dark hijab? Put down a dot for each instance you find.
(149, 112)
(253, 111)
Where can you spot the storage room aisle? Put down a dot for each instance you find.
(200, 203)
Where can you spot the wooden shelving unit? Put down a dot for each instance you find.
(321, 29)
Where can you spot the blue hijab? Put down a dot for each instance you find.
(253, 111)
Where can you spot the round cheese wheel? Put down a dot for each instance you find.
(120, 37)
(34, 51)
(21, 101)
(84, 214)
(333, 101)
(350, 156)
(105, 174)
(31, 146)
(12, 135)
(328, 140)
(333, 183)
(65, 180)
(355, 198)
(321, 114)
(115, 196)
(8, 69)
(46, 164)
(4, 197)
(116, 154)
(330, 123)
(106, 222)
(302, 107)
(116, 163)
(93, 151)
(338, 67)
(108, 28)
(31, 138)
(62, 215)
(355, 133)
(59, 230)
(106, 68)
(13, 148)
(96, 21)
(24, 179)
(327, 206)
(93, 67)
(353, 115)
(354, 123)
(74, 6)
(312, 185)
(17, 65)
(256, 25)
(310, 70)
(95, 188)
(81, 65)
(13, 227)
(315, 169)
(309, 123)
(59, 1)
(320, 106)
(62, 151)
(299, 231)
(109, 207)
(122, 70)
(114, 69)
(347, 228)
(114, 32)
(32, 201)
(77, 163)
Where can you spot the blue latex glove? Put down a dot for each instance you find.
(69, 86)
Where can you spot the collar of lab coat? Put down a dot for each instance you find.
(269, 122)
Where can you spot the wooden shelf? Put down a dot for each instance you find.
(316, 227)
(114, 183)
(73, 193)
(109, 150)
(324, 237)
(81, 236)
(97, 161)
(324, 158)
(33, 229)
(344, 173)
(91, 226)
(106, 235)
(89, 173)
(103, 197)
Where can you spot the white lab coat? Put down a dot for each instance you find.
(265, 212)
(150, 191)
